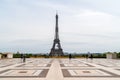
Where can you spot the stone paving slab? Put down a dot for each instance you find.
(60, 69)
(23, 73)
(75, 65)
(88, 73)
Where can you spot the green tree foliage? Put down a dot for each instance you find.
(16, 55)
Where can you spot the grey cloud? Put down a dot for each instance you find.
(90, 35)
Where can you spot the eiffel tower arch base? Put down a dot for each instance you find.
(56, 52)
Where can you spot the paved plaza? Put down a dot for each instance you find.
(59, 69)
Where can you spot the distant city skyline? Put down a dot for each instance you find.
(84, 25)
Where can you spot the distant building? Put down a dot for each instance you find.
(0, 56)
(6, 55)
(111, 56)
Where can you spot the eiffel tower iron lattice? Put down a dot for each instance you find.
(56, 48)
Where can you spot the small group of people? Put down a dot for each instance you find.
(23, 57)
(89, 56)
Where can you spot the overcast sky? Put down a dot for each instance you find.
(84, 25)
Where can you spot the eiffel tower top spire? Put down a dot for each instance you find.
(56, 27)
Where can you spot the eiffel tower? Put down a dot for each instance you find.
(56, 48)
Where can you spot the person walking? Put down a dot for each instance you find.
(70, 56)
(21, 56)
(24, 58)
(91, 57)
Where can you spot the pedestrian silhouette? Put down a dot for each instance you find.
(24, 58)
(21, 56)
(70, 56)
(91, 56)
